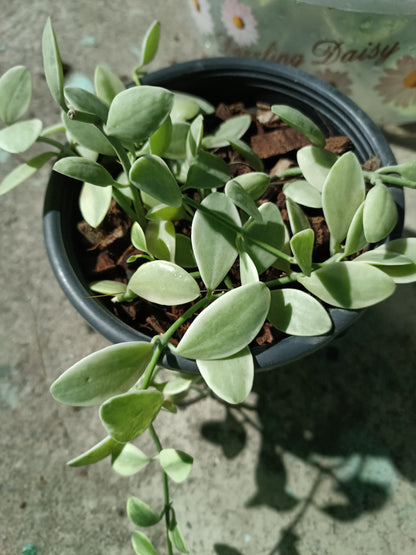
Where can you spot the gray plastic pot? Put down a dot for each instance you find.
(219, 80)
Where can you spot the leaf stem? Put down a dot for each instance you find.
(388, 178)
(125, 162)
(290, 172)
(166, 496)
(282, 280)
(63, 148)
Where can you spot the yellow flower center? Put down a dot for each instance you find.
(410, 80)
(197, 6)
(238, 22)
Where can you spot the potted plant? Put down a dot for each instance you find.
(240, 264)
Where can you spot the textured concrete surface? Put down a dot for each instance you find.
(321, 461)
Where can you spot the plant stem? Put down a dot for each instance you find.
(63, 148)
(290, 172)
(281, 281)
(166, 496)
(125, 162)
(392, 179)
(221, 219)
(163, 340)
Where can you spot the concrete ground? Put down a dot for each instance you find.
(321, 462)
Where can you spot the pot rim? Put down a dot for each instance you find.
(324, 101)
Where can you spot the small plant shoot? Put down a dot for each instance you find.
(208, 245)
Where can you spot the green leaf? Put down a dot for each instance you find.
(107, 446)
(248, 154)
(296, 119)
(301, 192)
(141, 544)
(203, 106)
(177, 386)
(84, 170)
(271, 230)
(150, 44)
(15, 93)
(212, 242)
(165, 212)
(215, 334)
(130, 460)
(405, 246)
(254, 183)
(302, 247)
(24, 171)
(52, 65)
(107, 84)
(230, 378)
(161, 240)
(138, 238)
(400, 274)
(242, 199)
(161, 138)
(230, 129)
(184, 255)
(176, 149)
(20, 136)
(342, 195)
(297, 218)
(383, 258)
(176, 464)
(297, 313)
(380, 213)
(315, 164)
(107, 372)
(94, 203)
(136, 113)
(87, 102)
(140, 513)
(194, 138)
(127, 416)
(207, 171)
(164, 282)
(152, 175)
(88, 136)
(248, 270)
(356, 240)
(351, 285)
(175, 535)
(108, 287)
(184, 108)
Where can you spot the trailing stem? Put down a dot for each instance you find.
(166, 496)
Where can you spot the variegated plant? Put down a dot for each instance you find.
(158, 139)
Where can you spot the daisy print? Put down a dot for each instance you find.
(339, 79)
(201, 12)
(240, 23)
(398, 85)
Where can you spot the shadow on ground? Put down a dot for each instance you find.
(347, 412)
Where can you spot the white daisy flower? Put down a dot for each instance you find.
(240, 23)
(201, 12)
